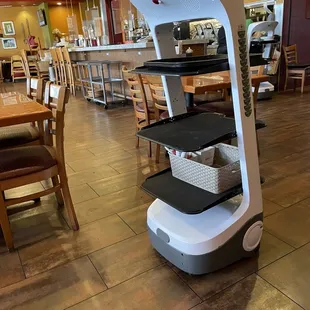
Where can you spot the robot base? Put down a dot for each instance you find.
(232, 251)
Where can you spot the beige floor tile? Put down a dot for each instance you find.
(82, 193)
(116, 183)
(36, 224)
(211, 284)
(70, 245)
(136, 218)
(124, 180)
(69, 170)
(24, 190)
(270, 207)
(252, 293)
(11, 270)
(288, 191)
(104, 206)
(158, 289)
(56, 289)
(97, 161)
(91, 175)
(291, 225)
(291, 275)
(126, 259)
(80, 154)
(287, 166)
(101, 149)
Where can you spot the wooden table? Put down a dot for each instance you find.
(16, 108)
(200, 84)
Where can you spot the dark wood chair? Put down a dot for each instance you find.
(31, 164)
(22, 135)
(294, 70)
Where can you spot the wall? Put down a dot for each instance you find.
(46, 30)
(58, 17)
(296, 28)
(19, 15)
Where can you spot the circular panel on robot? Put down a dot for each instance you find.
(253, 236)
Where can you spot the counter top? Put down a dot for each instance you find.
(113, 47)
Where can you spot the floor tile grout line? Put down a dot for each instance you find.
(90, 260)
(101, 218)
(296, 303)
(126, 224)
(270, 233)
(79, 257)
(20, 261)
(110, 288)
(183, 281)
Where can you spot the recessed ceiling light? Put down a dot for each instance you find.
(59, 3)
(5, 6)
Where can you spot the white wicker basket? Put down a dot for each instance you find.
(222, 176)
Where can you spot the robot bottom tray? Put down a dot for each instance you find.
(184, 197)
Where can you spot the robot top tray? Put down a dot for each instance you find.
(185, 66)
(192, 131)
(184, 197)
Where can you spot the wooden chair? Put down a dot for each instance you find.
(24, 135)
(17, 68)
(159, 102)
(72, 75)
(294, 70)
(62, 67)
(30, 69)
(31, 164)
(56, 65)
(143, 112)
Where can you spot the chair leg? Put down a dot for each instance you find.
(157, 153)
(303, 82)
(68, 200)
(5, 225)
(149, 149)
(286, 80)
(58, 194)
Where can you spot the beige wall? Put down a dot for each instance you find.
(58, 17)
(19, 15)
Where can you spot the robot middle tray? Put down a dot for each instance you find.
(182, 196)
(192, 131)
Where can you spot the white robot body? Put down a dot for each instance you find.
(213, 239)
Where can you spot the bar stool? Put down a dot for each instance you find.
(72, 73)
(62, 67)
(56, 66)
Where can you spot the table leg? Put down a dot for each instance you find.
(41, 131)
(189, 98)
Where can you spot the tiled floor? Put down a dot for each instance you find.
(110, 264)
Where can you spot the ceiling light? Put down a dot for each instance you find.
(5, 6)
(59, 3)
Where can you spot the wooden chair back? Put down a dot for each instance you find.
(157, 92)
(35, 89)
(71, 73)
(55, 65)
(290, 54)
(56, 97)
(26, 63)
(137, 93)
(62, 67)
(66, 55)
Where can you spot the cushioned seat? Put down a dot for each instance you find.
(25, 160)
(17, 135)
(139, 108)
